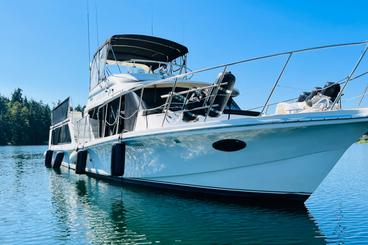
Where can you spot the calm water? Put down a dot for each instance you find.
(41, 206)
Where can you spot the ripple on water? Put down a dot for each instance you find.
(42, 206)
(339, 205)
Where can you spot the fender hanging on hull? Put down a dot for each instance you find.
(48, 159)
(58, 160)
(80, 167)
(118, 159)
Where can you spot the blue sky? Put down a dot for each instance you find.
(44, 43)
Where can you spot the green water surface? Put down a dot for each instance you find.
(44, 206)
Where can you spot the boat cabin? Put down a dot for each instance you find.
(133, 86)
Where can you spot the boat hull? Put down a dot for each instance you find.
(266, 198)
(283, 160)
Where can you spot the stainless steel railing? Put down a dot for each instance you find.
(87, 131)
(288, 54)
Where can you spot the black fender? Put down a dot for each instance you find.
(58, 159)
(118, 159)
(48, 159)
(80, 167)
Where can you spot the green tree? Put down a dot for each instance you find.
(39, 121)
(4, 121)
(80, 108)
(23, 121)
(19, 127)
(17, 96)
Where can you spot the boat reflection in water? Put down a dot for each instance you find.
(93, 211)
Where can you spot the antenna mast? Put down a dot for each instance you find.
(153, 5)
(96, 13)
(89, 42)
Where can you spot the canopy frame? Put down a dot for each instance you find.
(149, 51)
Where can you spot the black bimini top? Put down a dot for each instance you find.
(130, 46)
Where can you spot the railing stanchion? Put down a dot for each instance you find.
(84, 131)
(118, 115)
(277, 82)
(363, 95)
(212, 100)
(349, 77)
(168, 101)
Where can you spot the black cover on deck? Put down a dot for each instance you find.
(132, 46)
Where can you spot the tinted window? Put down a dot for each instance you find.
(231, 105)
(152, 98)
(61, 135)
(60, 113)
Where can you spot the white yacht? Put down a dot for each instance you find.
(147, 121)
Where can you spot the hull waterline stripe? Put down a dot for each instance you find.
(194, 189)
(212, 192)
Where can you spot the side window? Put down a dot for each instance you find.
(94, 122)
(231, 105)
(112, 117)
(61, 135)
(108, 119)
(154, 103)
(101, 115)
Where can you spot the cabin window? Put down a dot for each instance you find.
(61, 135)
(101, 113)
(114, 117)
(94, 122)
(60, 112)
(154, 103)
(106, 119)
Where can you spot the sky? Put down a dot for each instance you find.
(44, 44)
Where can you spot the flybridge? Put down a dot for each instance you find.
(146, 52)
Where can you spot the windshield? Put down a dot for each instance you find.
(98, 67)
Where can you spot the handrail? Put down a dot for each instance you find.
(340, 81)
(147, 61)
(187, 92)
(349, 77)
(168, 101)
(277, 82)
(362, 96)
(190, 90)
(290, 53)
(247, 60)
(171, 78)
(174, 79)
(212, 100)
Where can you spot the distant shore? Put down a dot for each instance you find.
(23, 121)
(46, 144)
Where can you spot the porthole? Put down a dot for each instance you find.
(229, 145)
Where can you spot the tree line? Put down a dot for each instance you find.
(23, 121)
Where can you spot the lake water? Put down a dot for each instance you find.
(42, 206)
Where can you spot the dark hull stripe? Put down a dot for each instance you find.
(195, 191)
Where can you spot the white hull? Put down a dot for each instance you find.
(281, 157)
